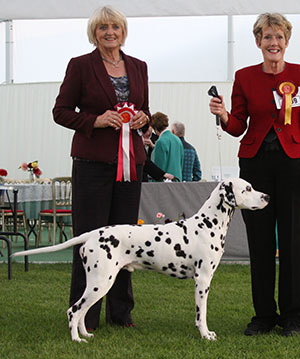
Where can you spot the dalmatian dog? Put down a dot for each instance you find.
(190, 248)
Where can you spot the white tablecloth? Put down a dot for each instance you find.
(32, 192)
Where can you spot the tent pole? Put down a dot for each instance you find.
(230, 49)
(9, 51)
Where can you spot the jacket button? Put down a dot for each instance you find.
(279, 129)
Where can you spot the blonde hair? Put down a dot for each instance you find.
(103, 16)
(276, 21)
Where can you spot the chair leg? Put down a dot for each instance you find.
(54, 230)
(62, 229)
(38, 238)
(49, 232)
(3, 230)
(25, 225)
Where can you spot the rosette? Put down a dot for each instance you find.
(126, 160)
(287, 90)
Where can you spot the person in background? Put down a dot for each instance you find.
(269, 158)
(168, 152)
(93, 85)
(150, 169)
(191, 171)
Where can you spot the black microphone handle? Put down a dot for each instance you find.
(218, 120)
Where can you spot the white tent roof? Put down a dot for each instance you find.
(59, 9)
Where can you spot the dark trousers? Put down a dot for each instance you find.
(274, 173)
(99, 200)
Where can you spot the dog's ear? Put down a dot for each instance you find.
(226, 189)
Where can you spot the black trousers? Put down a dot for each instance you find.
(99, 200)
(274, 173)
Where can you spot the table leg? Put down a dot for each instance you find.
(31, 223)
(8, 242)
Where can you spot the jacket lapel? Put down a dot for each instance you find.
(132, 78)
(103, 78)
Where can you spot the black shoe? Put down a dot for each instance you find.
(291, 327)
(258, 327)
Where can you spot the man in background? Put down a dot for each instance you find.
(191, 165)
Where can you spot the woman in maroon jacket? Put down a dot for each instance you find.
(265, 105)
(106, 188)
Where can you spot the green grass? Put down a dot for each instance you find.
(33, 322)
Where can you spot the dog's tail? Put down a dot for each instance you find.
(58, 247)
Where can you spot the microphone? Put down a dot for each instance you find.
(214, 93)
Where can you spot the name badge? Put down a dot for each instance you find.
(278, 99)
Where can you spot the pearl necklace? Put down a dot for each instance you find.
(114, 63)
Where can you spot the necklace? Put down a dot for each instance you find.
(114, 63)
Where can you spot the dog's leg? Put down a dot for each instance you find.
(77, 312)
(81, 326)
(98, 284)
(202, 283)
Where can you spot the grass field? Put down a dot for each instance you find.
(34, 323)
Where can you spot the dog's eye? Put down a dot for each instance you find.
(248, 189)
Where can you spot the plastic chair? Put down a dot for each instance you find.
(61, 203)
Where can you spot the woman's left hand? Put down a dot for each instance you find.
(139, 120)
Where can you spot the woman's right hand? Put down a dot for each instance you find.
(109, 119)
(217, 107)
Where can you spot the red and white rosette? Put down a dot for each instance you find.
(126, 160)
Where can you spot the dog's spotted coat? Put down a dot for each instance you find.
(190, 248)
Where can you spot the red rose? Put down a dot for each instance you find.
(3, 172)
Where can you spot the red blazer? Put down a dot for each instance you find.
(87, 92)
(252, 98)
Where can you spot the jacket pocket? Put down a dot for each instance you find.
(296, 138)
(247, 140)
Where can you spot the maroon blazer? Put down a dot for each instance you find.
(253, 110)
(87, 92)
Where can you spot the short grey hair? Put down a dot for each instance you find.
(102, 16)
(178, 129)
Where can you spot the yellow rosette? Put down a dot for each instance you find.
(287, 90)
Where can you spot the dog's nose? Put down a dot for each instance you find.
(266, 197)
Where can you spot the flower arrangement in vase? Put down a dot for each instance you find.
(32, 168)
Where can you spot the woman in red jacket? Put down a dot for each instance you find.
(265, 105)
(106, 179)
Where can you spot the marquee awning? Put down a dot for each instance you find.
(67, 9)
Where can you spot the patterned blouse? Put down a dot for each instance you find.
(121, 86)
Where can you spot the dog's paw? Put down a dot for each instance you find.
(209, 336)
(88, 335)
(79, 340)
